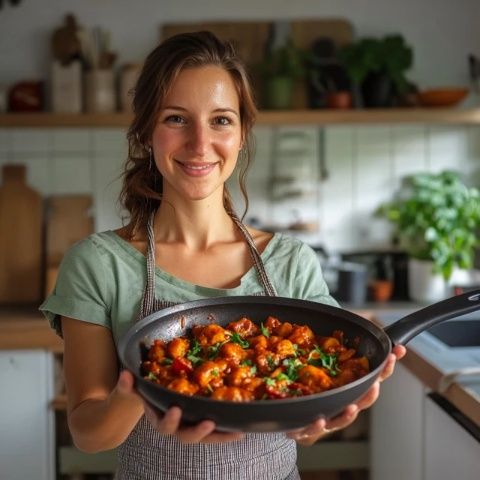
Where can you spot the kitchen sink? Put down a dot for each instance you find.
(458, 333)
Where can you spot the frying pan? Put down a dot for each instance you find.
(282, 414)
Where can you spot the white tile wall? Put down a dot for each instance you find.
(364, 164)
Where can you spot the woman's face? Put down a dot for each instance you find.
(198, 133)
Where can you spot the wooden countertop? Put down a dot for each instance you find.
(26, 328)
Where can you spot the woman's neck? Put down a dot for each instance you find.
(198, 225)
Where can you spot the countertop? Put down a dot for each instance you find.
(428, 358)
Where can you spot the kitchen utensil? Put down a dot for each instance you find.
(21, 211)
(442, 97)
(285, 414)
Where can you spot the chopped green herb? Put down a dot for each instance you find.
(270, 382)
(282, 377)
(151, 376)
(292, 365)
(215, 372)
(213, 350)
(236, 338)
(246, 363)
(271, 362)
(192, 354)
(298, 350)
(253, 370)
(167, 361)
(264, 330)
(327, 361)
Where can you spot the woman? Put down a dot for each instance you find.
(193, 117)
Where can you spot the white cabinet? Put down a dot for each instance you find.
(451, 452)
(396, 429)
(27, 448)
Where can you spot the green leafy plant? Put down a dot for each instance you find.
(390, 55)
(437, 218)
(285, 61)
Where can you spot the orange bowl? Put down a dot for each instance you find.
(442, 97)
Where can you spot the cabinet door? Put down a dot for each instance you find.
(396, 429)
(451, 451)
(26, 421)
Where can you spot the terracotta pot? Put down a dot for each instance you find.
(381, 290)
(339, 100)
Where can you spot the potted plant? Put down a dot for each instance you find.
(377, 67)
(436, 219)
(329, 85)
(280, 69)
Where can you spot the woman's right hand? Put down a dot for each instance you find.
(170, 424)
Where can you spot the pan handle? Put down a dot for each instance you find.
(403, 330)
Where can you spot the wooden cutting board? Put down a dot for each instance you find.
(69, 219)
(21, 212)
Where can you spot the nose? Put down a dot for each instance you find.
(199, 139)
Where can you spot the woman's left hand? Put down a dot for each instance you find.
(311, 433)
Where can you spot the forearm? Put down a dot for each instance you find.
(97, 425)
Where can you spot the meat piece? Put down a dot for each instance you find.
(244, 327)
(210, 335)
(157, 351)
(315, 378)
(302, 336)
(178, 347)
(233, 394)
(183, 386)
(233, 353)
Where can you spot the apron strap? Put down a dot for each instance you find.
(148, 300)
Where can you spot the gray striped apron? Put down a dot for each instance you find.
(149, 455)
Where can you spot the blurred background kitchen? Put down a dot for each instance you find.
(357, 98)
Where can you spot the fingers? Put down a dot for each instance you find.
(170, 424)
(399, 351)
(369, 398)
(125, 382)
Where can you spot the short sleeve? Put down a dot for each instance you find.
(309, 282)
(80, 289)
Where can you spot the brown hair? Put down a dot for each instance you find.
(142, 183)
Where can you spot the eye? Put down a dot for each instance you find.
(175, 119)
(223, 121)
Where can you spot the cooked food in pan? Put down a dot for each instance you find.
(244, 361)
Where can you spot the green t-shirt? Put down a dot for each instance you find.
(101, 280)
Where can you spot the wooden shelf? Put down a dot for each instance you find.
(265, 117)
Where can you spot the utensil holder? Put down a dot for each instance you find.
(100, 95)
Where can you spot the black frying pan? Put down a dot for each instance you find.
(284, 414)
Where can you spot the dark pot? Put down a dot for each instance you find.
(377, 91)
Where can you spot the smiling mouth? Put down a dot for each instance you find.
(197, 169)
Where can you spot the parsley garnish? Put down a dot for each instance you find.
(236, 338)
(292, 365)
(213, 350)
(264, 330)
(327, 361)
(151, 376)
(192, 354)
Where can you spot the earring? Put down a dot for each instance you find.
(150, 158)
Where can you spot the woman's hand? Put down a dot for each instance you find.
(170, 424)
(310, 434)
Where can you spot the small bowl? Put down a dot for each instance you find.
(442, 97)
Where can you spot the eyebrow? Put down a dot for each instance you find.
(217, 110)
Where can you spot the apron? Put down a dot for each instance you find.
(148, 455)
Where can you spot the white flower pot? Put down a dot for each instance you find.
(423, 285)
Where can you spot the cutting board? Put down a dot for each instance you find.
(69, 219)
(21, 212)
